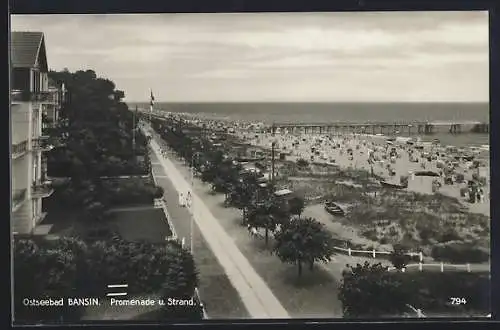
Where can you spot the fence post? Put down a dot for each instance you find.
(374, 254)
(442, 267)
(468, 268)
(349, 251)
(421, 256)
(420, 266)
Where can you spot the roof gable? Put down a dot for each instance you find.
(27, 49)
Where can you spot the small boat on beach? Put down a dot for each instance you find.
(250, 159)
(334, 209)
(392, 185)
(426, 173)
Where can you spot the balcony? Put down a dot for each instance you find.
(39, 218)
(19, 149)
(42, 189)
(41, 144)
(20, 96)
(29, 96)
(46, 97)
(18, 198)
(49, 125)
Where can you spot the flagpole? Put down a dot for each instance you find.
(150, 105)
(133, 130)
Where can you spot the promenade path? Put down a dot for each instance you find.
(220, 298)
(258, 299)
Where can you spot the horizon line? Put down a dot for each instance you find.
(345, 102)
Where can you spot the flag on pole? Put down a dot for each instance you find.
(152, 100)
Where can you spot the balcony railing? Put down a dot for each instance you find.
(45, 97)
(29, 96)
(43, 169)
(18, 198)
(19, 149)
(41, 189)
(42, 143)
(49, 124)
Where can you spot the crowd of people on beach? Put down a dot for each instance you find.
(424, 167)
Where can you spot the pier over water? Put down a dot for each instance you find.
(409, 128)
(385, 128)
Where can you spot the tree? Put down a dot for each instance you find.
(241, 195)
(260, 215)
(399, 259)
(369, 290)
(303, 240)
(99, 134)
(296, 206)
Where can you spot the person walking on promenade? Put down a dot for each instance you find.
(181, 200)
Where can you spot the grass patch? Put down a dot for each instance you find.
(141, 224)
(150, 225)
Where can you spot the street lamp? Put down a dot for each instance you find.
(273, 146)
(189, 202)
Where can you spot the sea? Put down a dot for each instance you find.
(345, 112)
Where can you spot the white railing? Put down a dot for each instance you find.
(373, 253)
(19, 149)
(441, 266)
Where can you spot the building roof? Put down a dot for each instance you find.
(26, 48)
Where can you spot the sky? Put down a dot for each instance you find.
(276, 57)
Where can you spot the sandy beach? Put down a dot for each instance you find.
(388, 159)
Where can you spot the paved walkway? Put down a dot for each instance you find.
(255, 294)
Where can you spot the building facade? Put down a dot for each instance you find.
(31, 97)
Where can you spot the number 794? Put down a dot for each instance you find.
(458, 301)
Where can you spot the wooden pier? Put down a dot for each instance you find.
(385, 128)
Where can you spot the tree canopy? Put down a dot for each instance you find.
(98, 139)
(303, 240)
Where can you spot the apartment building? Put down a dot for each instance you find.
(31, 97)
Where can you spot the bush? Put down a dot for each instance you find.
(131, 191)
(425, 234)
(460, 252)
(371, 291)
(159, 192)
(302, 163)
(370, 234)
(403, 180)
(399, 259)
(95, 211)
(71, 267)
(449, 235)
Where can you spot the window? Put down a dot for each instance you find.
(21, 79)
